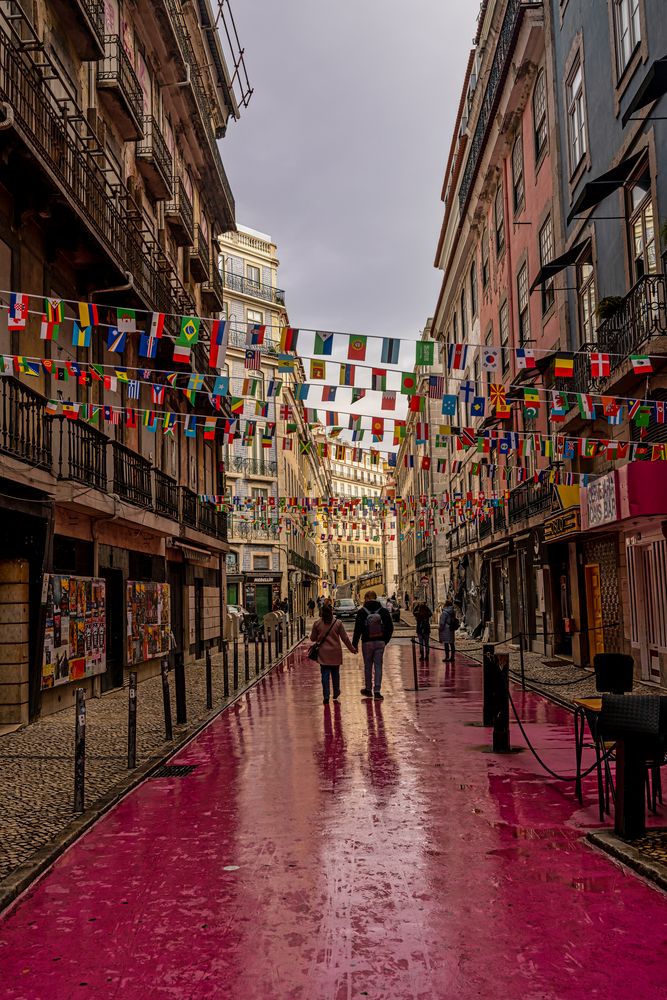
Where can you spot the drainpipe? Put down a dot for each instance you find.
(128, 286)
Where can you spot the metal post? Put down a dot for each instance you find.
(280, 639)
(246, 659)
(523, 666)
(236, 664)
(256, 654)
(501, 716)
(79, 750)
(166, 701)
(263, 652)
(225, 668)
(132, 722)
(630, 817)
(490, 667)
(179, 680)
(209, 681)
(268, 639)
(414, 663)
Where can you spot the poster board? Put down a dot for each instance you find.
(148, 621)
(75, 629)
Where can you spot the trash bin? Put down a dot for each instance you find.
(272, 620)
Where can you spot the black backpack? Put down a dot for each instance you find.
(373, 627)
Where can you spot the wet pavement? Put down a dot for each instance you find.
(367, 849)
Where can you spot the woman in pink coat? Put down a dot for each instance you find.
(329, 633)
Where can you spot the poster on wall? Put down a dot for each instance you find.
(75, 631)
(148, 621)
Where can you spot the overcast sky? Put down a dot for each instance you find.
(340, 155)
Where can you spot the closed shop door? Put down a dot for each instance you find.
(233, 593)
(264, 599)
(647, 575)
(594, 605)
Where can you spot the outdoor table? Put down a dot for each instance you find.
(587, 711)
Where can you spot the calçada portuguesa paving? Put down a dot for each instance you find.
(367, 849)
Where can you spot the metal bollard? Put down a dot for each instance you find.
(415, 671)
(209, 681)
(256, 654)
(179, 680)
(225, 668)
(280, 639)
(80, 750)
(523, 667)
(132, 721)
(246, 659)
(268, 639)
(490, 666)
(166, 701)
(235, 666)
(501, 715)
(263, 652)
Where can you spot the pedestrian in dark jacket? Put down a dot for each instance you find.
(447, 629)
(329, 633)
(374, 627)
(423, 615)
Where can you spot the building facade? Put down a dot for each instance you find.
(112, 194)
(357, 546)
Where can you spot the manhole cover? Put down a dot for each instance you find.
(173, 771)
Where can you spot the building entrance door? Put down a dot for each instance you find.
(594, 607)
(263, 600)
(647, 575)
(116, 627)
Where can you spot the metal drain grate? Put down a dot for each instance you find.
(174, 771)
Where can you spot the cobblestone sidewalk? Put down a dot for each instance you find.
(37, 762)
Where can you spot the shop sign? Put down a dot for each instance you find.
(264, 579)
(567, 522)
(601, 503)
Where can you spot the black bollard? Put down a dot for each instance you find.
(80, 750)
(246, 659)
(256, 654)
(166, 701)
(630, 812)
(501, 714)
(263, 652)
(523, 666)
(490, 668)
(280, 639)
(132, 721)
(235, 665)
(225, 668)
(414, 663)
(209, 681)
(179, 681)
(268, 639)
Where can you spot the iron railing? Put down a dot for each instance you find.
(153, 149)
(166, 495)
(116, 71)
(25, 431)
(188, 507)
(252, 466)
(247, 529)
(257, 289)
(200, 260)
(213, 289)
(528, 499)
(131, 476)
(179, 213)
(83, 454)
(298, 561)
(424, 558)
(206, 517)
(642, 317)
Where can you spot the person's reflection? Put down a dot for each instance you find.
(381, 767)
(331, 752)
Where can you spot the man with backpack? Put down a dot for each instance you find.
(373, 625)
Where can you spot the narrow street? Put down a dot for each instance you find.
(361, 849)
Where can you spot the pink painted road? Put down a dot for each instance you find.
(364, 850)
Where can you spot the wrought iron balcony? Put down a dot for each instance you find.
(252, 466)
(82, 453)
(255, 289)
(131, 476)
(25, 431)
(116, 78)
(180, 215)
(206, 518)
(200, 260)
(424, 558)
(248, 530)
(485, 526)
(298, 561)
(84, 25)
(213, 291)
(641, 318)
(166, 495)
(154, 159)
(188, 507)
(528, 499)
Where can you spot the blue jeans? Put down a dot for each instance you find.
(373, 654)
(334, 674)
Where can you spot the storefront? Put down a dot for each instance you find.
(261, 592)
(602, 561)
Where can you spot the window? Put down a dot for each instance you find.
(540, 126)
(254, 316)
(576, 115)
(627, 31)
(261, 562)
(523, 299)
(587, 301)
(517, 174)
(546, 255)
(473, 287)
(499, 221)
(260, 491)
(253, 274)
(464, 321)
(504, 336)
(642, 228)
(486, 274)
(455, 329)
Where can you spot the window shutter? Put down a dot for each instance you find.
(266, 276)
(234, 265)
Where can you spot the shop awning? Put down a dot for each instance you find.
(560, 263)
(652, 88)
(596, 191)
(191, 553)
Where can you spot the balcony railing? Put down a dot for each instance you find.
(642, 317)
(256, 289)
(200, 261)
(296, 560)
(213, 290)
(206, 517)
(155, 160)
(25, 432)
(166, 495)
(188, 507)
(83, 453)
(180, 215)
(528, 499)
(116, 75)
(84, 25)
(424, 558)
(252, 466)
(246, 530)
(131, 476)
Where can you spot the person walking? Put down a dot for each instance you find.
(328, 632)
(423, 615)
(447, 627)
(311, 607)
(374, 627)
